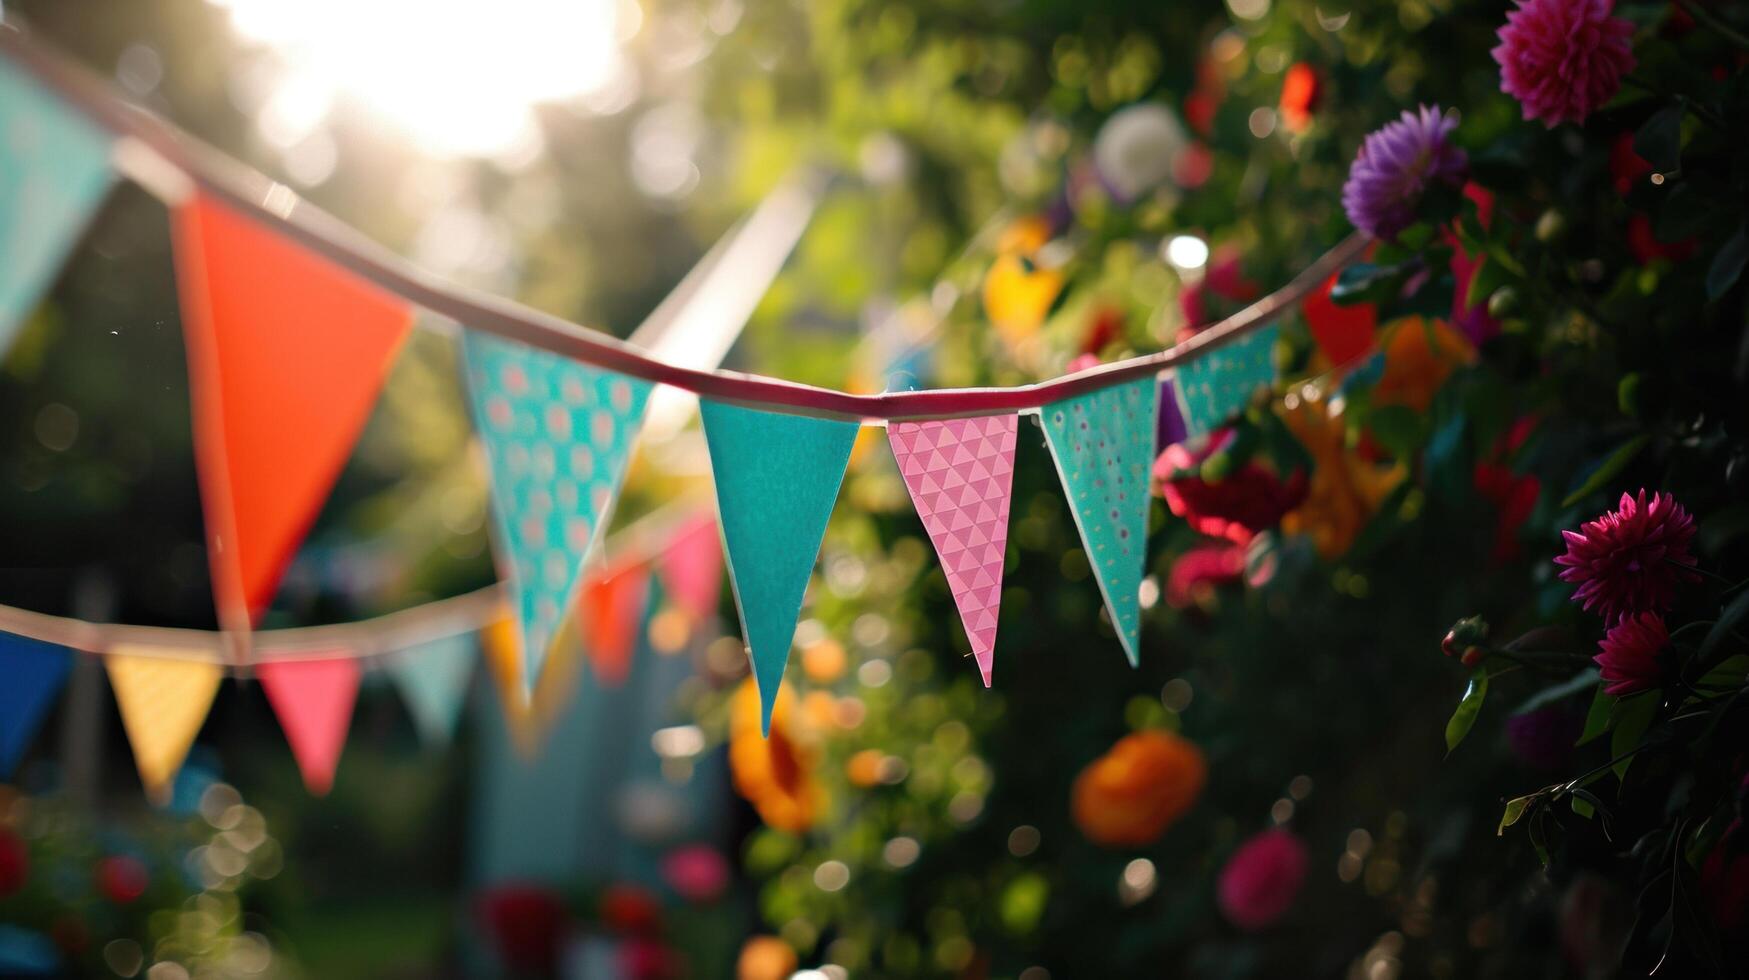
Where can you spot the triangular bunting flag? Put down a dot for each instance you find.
(31, 674)
(286, 354)
(976, 486)
(163, 696)
(1218, 385)
(313, 699)
(433, 680)
(558, 435)
(612, 608)
(54, 172)
(777, 478)
(1104, 447)
(691, 567)
(1343, 333)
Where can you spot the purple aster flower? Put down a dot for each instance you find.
(1394, 167)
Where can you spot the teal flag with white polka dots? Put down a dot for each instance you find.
(1103, 444)
(558, 435)
(54, 172)
(1218, 385)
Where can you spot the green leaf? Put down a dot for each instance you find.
(1583, 807)
(1366, 282)
(1634, 716)
(1727, 265)
(1398, 428)
(1464, 718)
(1607, 470)
(1659, 140)
(1489, 277)
(1514, 812)
(1598, 718)
(1727, 623)
(1730, 672)
(1549, 695)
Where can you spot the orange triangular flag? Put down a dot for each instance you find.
(313, 699)
(612, 608)
(286, 353)
(163, 696)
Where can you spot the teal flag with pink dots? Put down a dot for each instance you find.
(1218, 385)
(1103, 444)
(54, 172)
(558, 435)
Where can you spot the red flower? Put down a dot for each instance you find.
(1262, 879)
(1625, 166)
(1204, 568)
(1514, 496)
(1630, 559)
(630, 909)
(1105, 326)
(1648, 247)
(122, 879)
(14, 863)
(1629, 658)
(525, 923)
(1247, 500)
(1301, 91)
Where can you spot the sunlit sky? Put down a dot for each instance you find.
(459, 76)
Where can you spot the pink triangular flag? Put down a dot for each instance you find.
(691, 567)
(983, 455)
(313, 699)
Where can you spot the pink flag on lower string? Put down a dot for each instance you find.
(313, 700)
(691, 567)
(959, 472)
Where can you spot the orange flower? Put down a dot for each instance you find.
(765, 958)
(774, 774)
(1018, 293)
(1419, 356)
(1345, 489)
(1132, 793)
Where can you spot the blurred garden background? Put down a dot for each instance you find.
(1004, 191)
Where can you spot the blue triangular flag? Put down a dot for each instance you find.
(1218, 385)
(777, 477)
(1104, 447)
(31, 674)
(54, 172)
(433, 679)
(558, 436)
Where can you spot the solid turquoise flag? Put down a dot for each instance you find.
(433, 680)
(1104, 447)
(558, 437)
(1218, 385)
(54, 172)
(777, 477)
(31, 674)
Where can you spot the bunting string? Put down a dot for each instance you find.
(175, 166)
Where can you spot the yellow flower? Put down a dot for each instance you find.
(1018, 293)
(1345, 489)
(776, 774)
(1419, 356)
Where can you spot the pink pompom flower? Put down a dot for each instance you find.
(696, 872)
(1629, 654)
(1562, 59)
(1630, 560)
(1262, 879)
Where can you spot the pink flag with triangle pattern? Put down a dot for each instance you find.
(959, 472)
(313, 699)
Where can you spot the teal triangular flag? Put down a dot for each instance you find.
(1218, 385)
(1104, 446)
(777, 477)
(558, 436)
(54, 171)
(31, 674)
(433, 679)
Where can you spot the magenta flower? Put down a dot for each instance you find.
(696, 872)
(1395, 165)
(1562, 59)
(1630, 559)
(1629, 658)
(1262, 879)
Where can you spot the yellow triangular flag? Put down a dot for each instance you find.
(163, 699)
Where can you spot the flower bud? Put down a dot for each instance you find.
(1464, 633)
(1551, 227)
(1473, 657)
